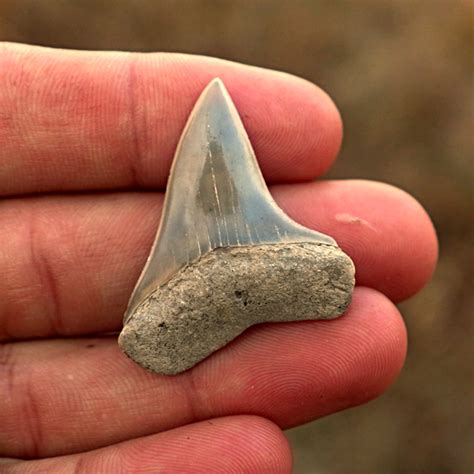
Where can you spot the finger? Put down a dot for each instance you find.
(232, 444)
(65, 396)
(69, 264)
(75, 120)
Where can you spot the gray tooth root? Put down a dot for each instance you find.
(225, 256)
(209, 303)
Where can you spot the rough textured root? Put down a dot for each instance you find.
(209, 303)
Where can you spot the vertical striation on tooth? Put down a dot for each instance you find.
(217, 199)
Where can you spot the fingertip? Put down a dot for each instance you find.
(408, 242)
(243, 443)
(423, 245)
(380, 348)
(307, 139)
(326, 123)
(270, 447)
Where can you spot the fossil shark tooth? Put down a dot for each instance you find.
(225, 256)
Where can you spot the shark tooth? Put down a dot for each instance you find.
(225, 256)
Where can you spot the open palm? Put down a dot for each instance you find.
(86, 142)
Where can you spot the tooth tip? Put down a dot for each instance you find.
(217, 82)
(215, 88)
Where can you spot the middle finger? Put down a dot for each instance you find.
(69, 263)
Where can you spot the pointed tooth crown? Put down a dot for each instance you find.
(216, 196)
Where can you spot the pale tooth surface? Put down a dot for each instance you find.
(225, 256)
(216, 196)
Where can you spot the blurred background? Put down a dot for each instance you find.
(401, 73)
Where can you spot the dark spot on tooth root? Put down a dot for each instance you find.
(207, 304)
(242, 297)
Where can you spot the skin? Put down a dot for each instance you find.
(86, 141)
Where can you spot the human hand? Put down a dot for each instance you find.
(86, 141)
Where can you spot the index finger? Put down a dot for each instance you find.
(77, 120)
